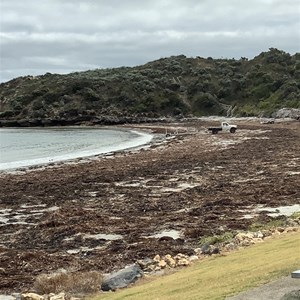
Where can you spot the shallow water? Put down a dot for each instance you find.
(21, 147)
(174, 234)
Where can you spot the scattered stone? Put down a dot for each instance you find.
(145, 263)
(230, 247)
(291, 229)
(32, 296)
(257, 240)
(193, 258)
(157, 269)
(182, 260)
(162, 264)
(215, 250)
(150, 268)
(266, 233)
(122, 278)
(258, 234)
(170, 261)
(157, 258)
(60, 296)
(198, 251)
(241, 236)
(245, 239)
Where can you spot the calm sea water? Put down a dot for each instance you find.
(20, 147)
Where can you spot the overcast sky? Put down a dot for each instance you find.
(61, 36)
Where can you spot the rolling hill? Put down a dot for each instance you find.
(168, 87)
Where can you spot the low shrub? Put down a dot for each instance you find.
(72, 283)
(217, 239)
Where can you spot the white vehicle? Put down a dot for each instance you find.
(224, 127)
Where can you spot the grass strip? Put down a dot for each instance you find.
(222, 275)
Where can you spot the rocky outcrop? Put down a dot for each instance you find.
(165, 262)
(32, 296)
(292, 113)
(122, 278)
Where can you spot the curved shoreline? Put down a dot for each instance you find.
(143, 138)
(196, 184)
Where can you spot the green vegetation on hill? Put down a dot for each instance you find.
(166, 87)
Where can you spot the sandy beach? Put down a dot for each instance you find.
(105, 213)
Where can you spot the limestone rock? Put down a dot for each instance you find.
(170, 261)
(245, 238)
(32, 296)
(266, 233)
(157, 258)
(145, 263)
(181, 256)
(242, 236)
(150, 268)
(259, 235)
(198, 251)
(193, 258)
(60, 296)
(291, 229)
(162, 264)
(230, 247)
(183, 262)
(257, 240)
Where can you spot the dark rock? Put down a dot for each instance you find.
(166, 239)
(24, 123)
(46, 122)
(205, 249)
(34, 122)
(215, 250)
(209, 249)
(122, 278)
(145, 263)
(9, 123)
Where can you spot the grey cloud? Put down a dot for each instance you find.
(59, 36)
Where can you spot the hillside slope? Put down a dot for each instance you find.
(174, 86)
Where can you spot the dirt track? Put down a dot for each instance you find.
(196, 184)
